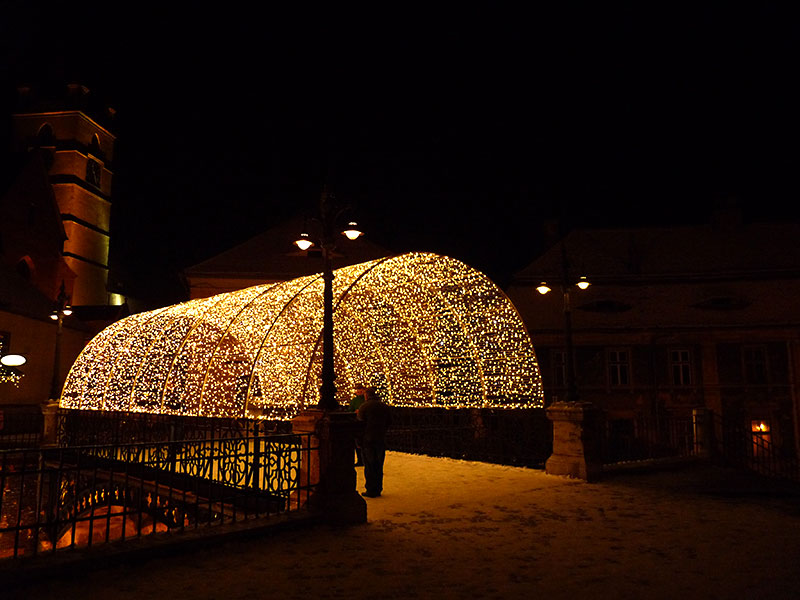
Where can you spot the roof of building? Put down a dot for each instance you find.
(703, 251)
(18, 296)
(662, 277)
(272, 256)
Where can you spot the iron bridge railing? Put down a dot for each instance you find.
(20, 428)
(94, 427)
(646, 439)
(80, 496)
(738, 446)
(521, 437)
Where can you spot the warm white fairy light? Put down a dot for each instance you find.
(9, 375)
(426, 330)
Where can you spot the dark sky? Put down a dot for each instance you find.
(458, 132)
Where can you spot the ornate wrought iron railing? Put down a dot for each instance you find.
(738, 446)
(93, 427)
(643, 438)
(514, 437)
(20, 428)
(66, 497)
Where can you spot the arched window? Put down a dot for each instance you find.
(45, 137)
(45, 143)
(24, 268)
(93, 172)
(94, 146)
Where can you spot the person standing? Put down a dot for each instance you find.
(376, 416)
(357, 400)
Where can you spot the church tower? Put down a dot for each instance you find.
(78, 151)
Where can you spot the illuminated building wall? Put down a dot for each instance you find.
(426, 330)
(80, 155)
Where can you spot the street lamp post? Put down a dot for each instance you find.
(566, 285)
(62, 309)
(576, 433)
(329, 214)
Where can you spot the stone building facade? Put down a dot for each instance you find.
(78, 153)
(675, 319)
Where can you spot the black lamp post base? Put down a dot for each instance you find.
(335, 498)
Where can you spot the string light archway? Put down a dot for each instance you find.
(424, 329)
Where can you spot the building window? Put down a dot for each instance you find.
(93, 172)
(559, 368)
(681, 366)
(45, 136)
(619, 367)
(762, 439)
(755, 364)
(94, 146)
(23, 268)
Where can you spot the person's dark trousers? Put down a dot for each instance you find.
(359, 460)
(373, 455)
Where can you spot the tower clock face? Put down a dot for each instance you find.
(93, 172)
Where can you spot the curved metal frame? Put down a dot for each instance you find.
(476, 326)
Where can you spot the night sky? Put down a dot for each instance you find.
(458, 132)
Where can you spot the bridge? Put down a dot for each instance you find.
(82, 494)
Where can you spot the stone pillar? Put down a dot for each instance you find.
(331, 468)
(703, 423)
(306, 423)
(50, 425)
(576, 440)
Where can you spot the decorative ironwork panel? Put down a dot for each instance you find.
(85, 495)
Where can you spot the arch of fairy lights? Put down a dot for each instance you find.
(426, 330)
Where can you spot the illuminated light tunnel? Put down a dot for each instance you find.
(426, 330)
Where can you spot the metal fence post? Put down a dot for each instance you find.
(702, 421)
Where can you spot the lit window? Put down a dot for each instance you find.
(619, 367)
(762, 440)
(681, 365)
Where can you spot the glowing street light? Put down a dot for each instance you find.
(352, 232)
(329, 213)
(62, 309)
(303, 242)
(13, 360)
(569, 360)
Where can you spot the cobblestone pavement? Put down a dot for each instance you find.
(454, 529)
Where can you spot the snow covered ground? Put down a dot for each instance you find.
(454, 529)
